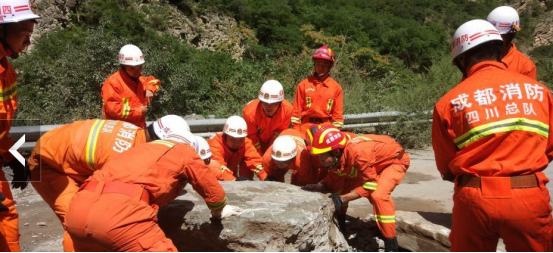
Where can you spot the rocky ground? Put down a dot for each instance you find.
(422, 193)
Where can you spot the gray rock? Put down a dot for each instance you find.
(41, 224)
(275, 217)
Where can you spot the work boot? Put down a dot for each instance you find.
(390, 244)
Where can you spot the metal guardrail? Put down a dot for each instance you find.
(206, 127)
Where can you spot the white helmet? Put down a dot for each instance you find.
(131, 55)
(505, 19)
(236, 127)
(203, 148)
(472, 34)
(168, 124)
(183, 137)
(271, 92)
(14, 11)
(284, 148)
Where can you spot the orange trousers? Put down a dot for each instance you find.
(9, 221)
(381, 199)
(520, 216)
(56, 189)
(100, 221)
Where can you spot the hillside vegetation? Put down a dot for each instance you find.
(392, 55)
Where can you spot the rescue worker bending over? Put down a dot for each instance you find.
(65, 157)
(492, 137)
(289, 152)
(16, 26)
(233, 150)
(369, 166)
(267, 116)
(116, 208)
(205, 153)
(319, 98)
(126, 94)
(506, 21)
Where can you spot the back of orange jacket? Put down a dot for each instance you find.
(164, 168)
(519, 63)
(122, 97)
(364, 158)
(263, 130)
(319, 100)
(82, 147)
(246, 157)
(302, 171)
(494, 123)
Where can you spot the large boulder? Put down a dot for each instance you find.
(275, 217)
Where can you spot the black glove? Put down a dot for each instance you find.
(3, 208)
(338, 202)
(243, 178)
(21, 174)
(271, 178)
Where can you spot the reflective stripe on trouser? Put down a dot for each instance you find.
(56, 189)
(523, 220)
(114, 222)
(381, 199)
(9, 221)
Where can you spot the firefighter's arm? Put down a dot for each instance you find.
(249, 117)
(337, 114)
(217, 152)
(549, 149)
(443, 145)
(295, 119)
(202, 179)
(253, 160)
(222, 174)
(6, 141)
(116, 106)
(150, 83)
(365, 164)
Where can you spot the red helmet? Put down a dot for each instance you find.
(326, 139)
(324, 53)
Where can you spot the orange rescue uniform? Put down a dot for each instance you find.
(220, 174)
(65, 157)
(302, 172)
(9, 221)
(263, 130)
(519, 63)
(492, 127)
(122, 97)
(116, 209)
(372, 166)
(246, 157)
(318, 102)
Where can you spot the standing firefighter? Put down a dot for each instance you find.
(267, 116)
(319, 98)
(369, 166)
(232, 149)
(506, 21)
(116, 208)
(491, 137)
(16, 24)
(126, 93)
(65, 157)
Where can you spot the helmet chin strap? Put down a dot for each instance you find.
(335, 160)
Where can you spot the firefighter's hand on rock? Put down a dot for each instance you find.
(338, 202)
(21, 174)
(314, 187)
(226, 212)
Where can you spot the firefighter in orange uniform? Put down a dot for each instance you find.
(507, 22)
(491, 137)
(289, 152)
(116, 208)
(205, 153)
(127, 94)
(16, 25)
(231, 149)
(65, 157)
(267, 116)
(319, 98)
(369, 166)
